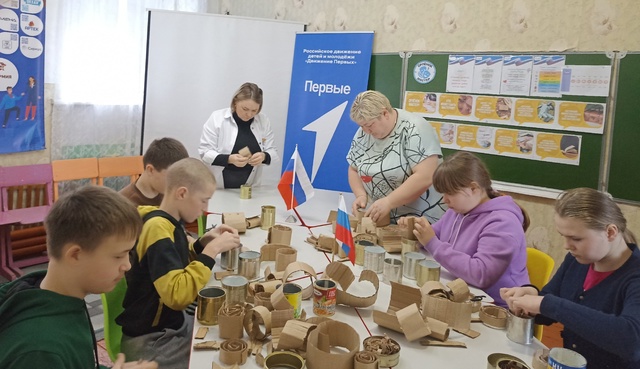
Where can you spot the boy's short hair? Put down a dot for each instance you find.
(190, 173)
(163, 152)
(87, 216)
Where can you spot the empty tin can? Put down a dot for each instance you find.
(374, 258)
(235, 287)
(411, 260)
(392, 270)
(249, 264)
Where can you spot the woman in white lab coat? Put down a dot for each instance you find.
(237, 141)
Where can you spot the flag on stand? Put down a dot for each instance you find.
(295, 186)
(343, 231)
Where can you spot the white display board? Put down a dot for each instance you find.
(195, 63)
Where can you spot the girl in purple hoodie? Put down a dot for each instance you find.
(481, 237)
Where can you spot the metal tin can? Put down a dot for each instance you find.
(283, 359)
(293, 294)
(235, 287)
(374, 258)
(411, 260)
(267, 217)
(245, 191)
(392, 270)
(210, 300)
(324, 297)
(249, 264)
(427, 270)
(360, 246)
(229, 259)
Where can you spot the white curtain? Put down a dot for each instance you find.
(95, 57)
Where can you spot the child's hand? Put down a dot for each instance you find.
(527, 304)
(140, 364)
(221, 243)
(509, 295)
(423, 231)
(215, 232)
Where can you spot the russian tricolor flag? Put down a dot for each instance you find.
(343, 231)
(295, 186)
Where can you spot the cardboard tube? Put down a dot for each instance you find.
(233, 351)
(230, 318)
(235, 220)
(459, 290)
(330, 334)
(284, 257)
(268, 251)
(493, 316)
(256, 317)
(439, 330)
(253, 222)
(279, 234)
(294, 335)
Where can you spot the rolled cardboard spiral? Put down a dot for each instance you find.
(233, 351)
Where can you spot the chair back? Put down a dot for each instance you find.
(23, 177)
(539, 267)
(122, 166)
(112, 307)
(73, 169)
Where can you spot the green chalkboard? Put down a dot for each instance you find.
(523, 171)
(624, 172)
(385, 76)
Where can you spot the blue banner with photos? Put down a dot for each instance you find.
(329, 70)
(22, 75)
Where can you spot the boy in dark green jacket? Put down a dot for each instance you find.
(44, 322)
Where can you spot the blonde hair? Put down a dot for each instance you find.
(190, 173)
(247, 91)
(369, 105)
(459, 170)
(595, 209)
(87, 216)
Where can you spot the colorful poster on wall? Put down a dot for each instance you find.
(557, 115)
(329, 70)
(460, 73)
(517, 143)
(547, 75)
(516, 75)
(22, 75)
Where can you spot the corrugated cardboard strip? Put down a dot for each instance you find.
(342, 275)
(233, 351)
(365, 360)
(253, 222)
(235, 220)
(268, 251)
(294, 335)
(285, 257)
(494, 316)
(412, 323)
(230, 320)
(254, 319)
(263, 299)
(207, 345)
(390, 237)
(299, 266)
(456, 314)
(279, 234)
(331, 334)
(366, 225)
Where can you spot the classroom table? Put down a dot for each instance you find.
(314, 213)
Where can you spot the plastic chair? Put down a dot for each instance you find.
(122, 166)
(112, 307)
(539, 266)
(21, 206)
(73, 169)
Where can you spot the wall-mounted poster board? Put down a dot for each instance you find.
(543, 152)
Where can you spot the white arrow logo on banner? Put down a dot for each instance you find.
(324, 127)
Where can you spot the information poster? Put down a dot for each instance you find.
(510, 111)
(516, 75)
(586, 80)
(547, 75)
(329, 70)
(517, 143)
(22, 75)
(460, 73)
(487, 74)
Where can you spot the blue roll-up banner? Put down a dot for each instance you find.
(329, 71)
(22, 75)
